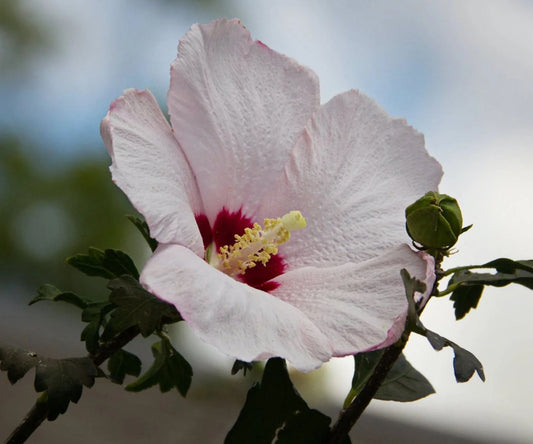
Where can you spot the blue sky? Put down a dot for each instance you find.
(460, 72)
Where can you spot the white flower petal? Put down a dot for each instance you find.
(237, 108)
(150, 168)
(351, 174)
(239, 320)
(421, 299)
(358, 307)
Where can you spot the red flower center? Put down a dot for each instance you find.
(227, 225)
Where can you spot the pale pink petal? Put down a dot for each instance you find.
(237, 108)
(421, 299)
(358, 307)
(242, 322)
(351, 174)
(150, 168)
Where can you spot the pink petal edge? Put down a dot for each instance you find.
(148, 165)
(237, 107)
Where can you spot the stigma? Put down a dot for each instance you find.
(258, 244)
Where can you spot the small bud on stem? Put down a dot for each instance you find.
(434, 221)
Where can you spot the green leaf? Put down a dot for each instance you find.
(464, 362)
(274, 408)
(137, 307)
(436, 340)
(169, 370)
(142, 226)
(16, 362)
(505, 265)
(364, 365)
(305, 427)
(48, 292)
(412, 286)
(122, 363)
(404, 383)
(94, 314)
(108, 264)
(468, 286)
(465, 298)
(498, 279)
(91, 335)
(62, 379)
(241, 365)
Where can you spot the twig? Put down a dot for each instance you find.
(29, 424)
(349, 416)
(39, 411)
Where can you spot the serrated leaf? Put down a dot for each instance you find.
(273, 406)
(465, 364)
(94, 314)
(469, 285)
(404, 383)
(137, 307)
(16, 362)
(96, 310)
(142, 226)
(108, 264)
(465, 298)
(90, 335)
(63, 379)
(169, 369)
(48, 292)
(122, 363)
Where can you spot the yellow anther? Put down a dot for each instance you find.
(293, 220)
(258, 244)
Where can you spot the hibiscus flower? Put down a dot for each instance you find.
(280, 221)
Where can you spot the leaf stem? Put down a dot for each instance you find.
(465, 267)
(39, 411)
(449, 289)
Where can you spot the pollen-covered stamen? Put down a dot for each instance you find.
(257, 244)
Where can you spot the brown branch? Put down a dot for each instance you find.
(39, 411)
(106, 349)
(349, 416)
(30, 423)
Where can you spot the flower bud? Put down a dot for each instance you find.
(434, 221)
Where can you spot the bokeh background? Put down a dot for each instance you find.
(459, 71)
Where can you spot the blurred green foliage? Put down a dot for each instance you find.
(49, 213)
(22, 35)
(51, 209)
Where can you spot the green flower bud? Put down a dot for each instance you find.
(434, 221)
